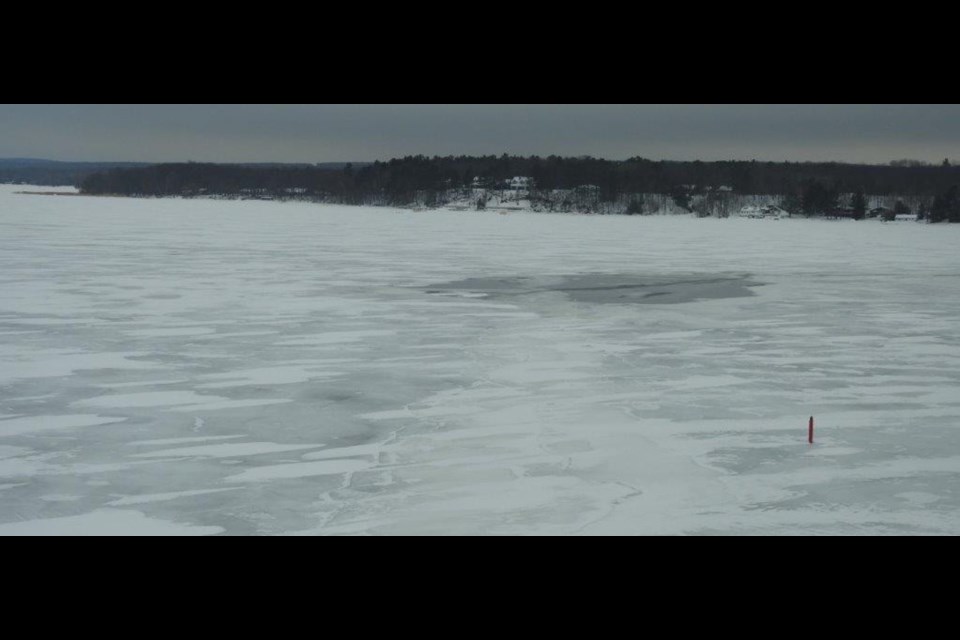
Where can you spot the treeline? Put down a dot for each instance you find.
(805, 187)
(193, 179)
(639, 175)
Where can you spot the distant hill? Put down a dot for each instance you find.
(53, 172)
(57, 173)
(332, 166)
(20, 163)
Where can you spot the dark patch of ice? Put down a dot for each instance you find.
(608, 288)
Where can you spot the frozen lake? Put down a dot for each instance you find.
(208, 367)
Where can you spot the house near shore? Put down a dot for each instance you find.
(770, 212)
(519, 182)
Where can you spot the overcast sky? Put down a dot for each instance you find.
(330, 133)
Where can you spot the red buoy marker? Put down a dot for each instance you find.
(810, 436)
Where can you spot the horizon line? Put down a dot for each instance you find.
(581, 156)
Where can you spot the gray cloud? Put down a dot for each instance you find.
(322, 133)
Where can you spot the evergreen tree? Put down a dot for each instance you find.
(816, 197)
(635, 206)
(946, 206)
(791, 203)
(859, 205)
(681, 196)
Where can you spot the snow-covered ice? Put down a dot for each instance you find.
(209, 367)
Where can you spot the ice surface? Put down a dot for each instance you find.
(226, 450)
(162, 497)
(300, 470)
(33, 424)
(104, 522)
(288, 368)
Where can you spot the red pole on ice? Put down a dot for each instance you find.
(810, 436)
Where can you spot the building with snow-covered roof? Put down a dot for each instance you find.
(766, 211)
(520, 182)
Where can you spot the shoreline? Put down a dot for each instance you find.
(50, 193)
